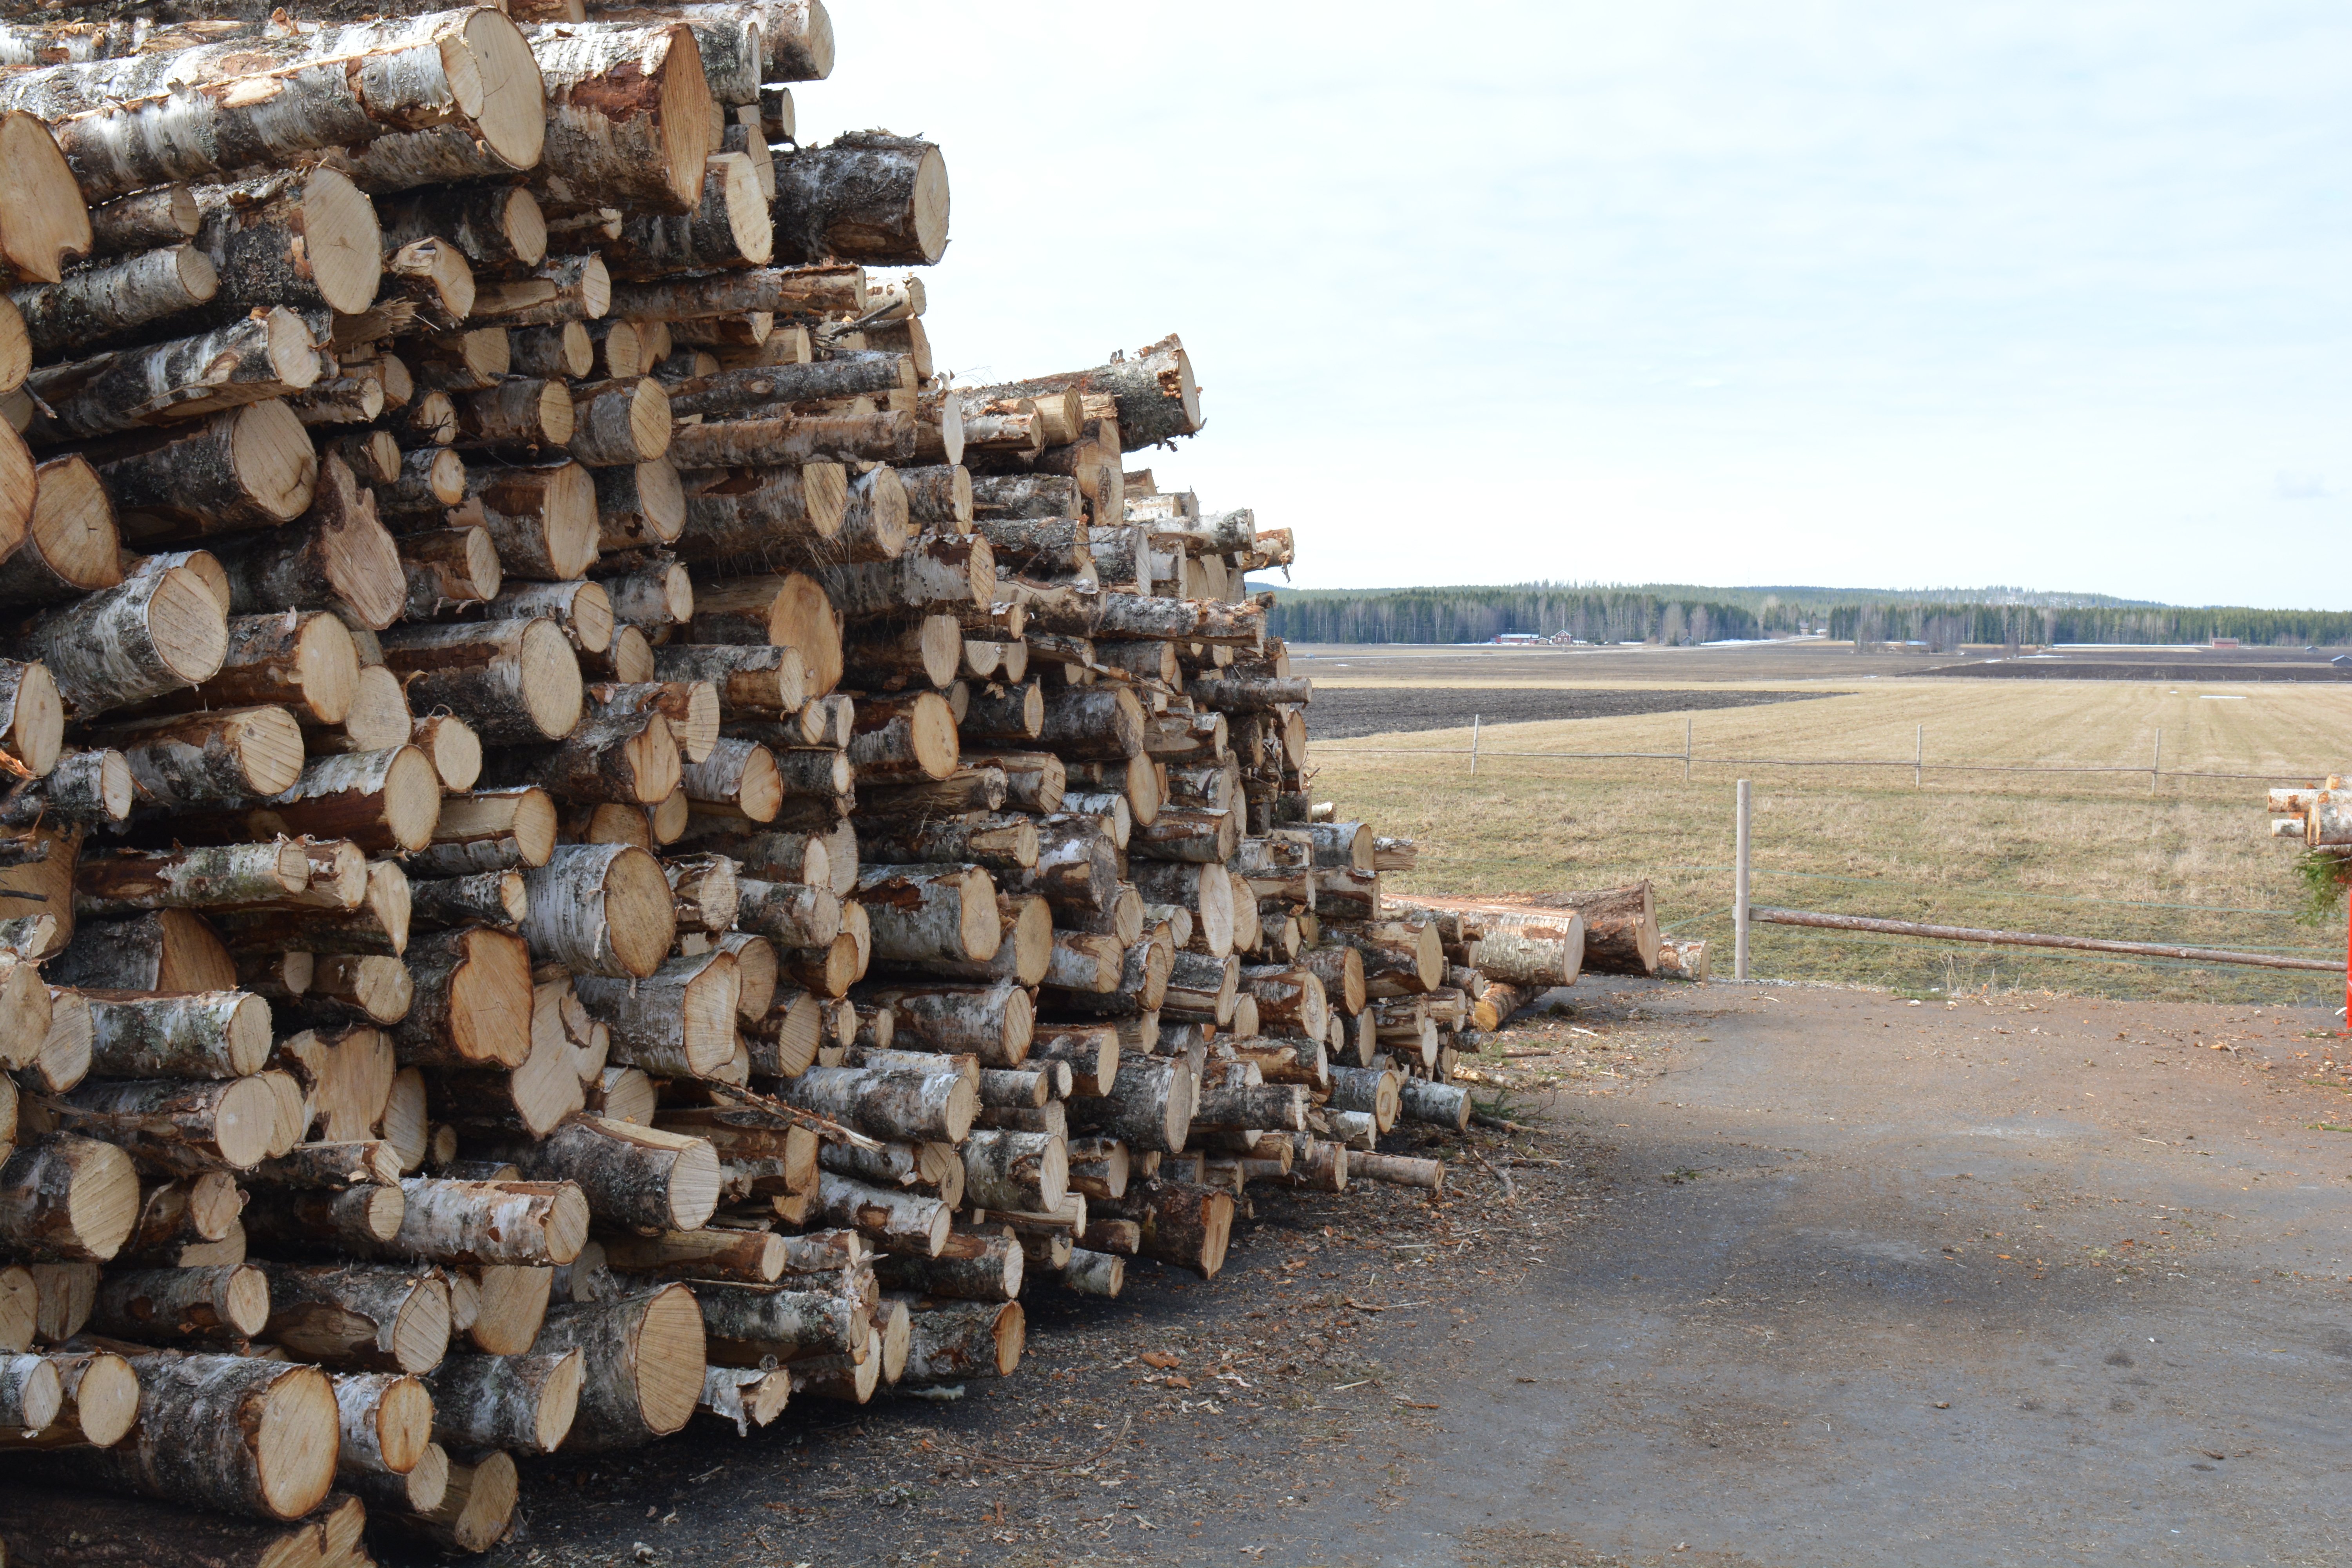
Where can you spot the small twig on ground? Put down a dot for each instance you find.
(1511, 1192)
(1499, 1123)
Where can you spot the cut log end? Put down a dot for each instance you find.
(294, 1442)
(670, 1358)
(552, 688)
(44, 221)
(272, 457)
(105, 1400)
(341, 241)
(512, 119)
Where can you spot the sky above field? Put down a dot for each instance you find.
(2054, 295)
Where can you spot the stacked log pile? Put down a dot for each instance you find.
(592, 841)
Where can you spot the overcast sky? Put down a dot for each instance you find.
(2057, 294)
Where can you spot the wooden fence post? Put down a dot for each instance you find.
(1474, 746)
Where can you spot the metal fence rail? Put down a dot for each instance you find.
(2038, 939)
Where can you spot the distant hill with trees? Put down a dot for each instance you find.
(1679, 613)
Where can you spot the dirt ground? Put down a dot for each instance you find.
(1789, 1276)
(1344, 712)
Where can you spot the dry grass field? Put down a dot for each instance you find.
(2089, 854)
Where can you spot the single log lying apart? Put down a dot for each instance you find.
(957, 1341)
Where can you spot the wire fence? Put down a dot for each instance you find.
(1804, 949)
(1722, 921)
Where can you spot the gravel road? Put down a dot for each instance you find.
(1792, 1276)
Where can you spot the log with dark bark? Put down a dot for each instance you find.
(476, 1511)
(677, 1021)
(359, 1316)
(269, 355)
(71, 543)
(105, 302)
(493, 226)
(1148, 1106)
(306, 238)
(43, 218)
(186, 1126)
(338, 556)
(251, 1437)
(472, 1001)
(387, 1423)
(304, 660)
(521, 417)
(227, 757)
(866, 197)
(1536, 947)
(166, 215)
(635, 1177)
(629, 118)
(169, 949)
(788, 610)
(625, 757)
(98, 1402)
(951, 1343)
(65, 1197)
(971, 1268)
(1621, 927)
(922, 912)
(513, 682)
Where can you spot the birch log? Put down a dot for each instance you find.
(512, 680)
(175, 114)
(521, 1402)
(678, 1021)
(953, 1343)
(63, 1197)
(643, 1360)
(250, 1438)
(161, 630)
(638, 1178)
(600, 909)
(487, 1223)
(267, 356)
(387, 1423)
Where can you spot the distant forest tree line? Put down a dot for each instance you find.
(1477, 615)
(1681, 615)
(1945, 627)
